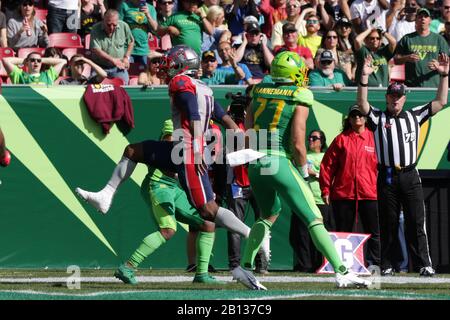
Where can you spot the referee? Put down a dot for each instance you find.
(396, 135)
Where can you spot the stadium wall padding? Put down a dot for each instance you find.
(56, 147)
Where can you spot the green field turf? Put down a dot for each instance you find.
(176, 285)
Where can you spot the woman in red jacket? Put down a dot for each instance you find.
(348, 179)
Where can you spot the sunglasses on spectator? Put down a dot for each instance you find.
(155, 60)
(356, 114)
(166, 3)
(314, 138)
(331, 37)
(326, 62)
(447, 7)
(312, 21)
(35, 60)
(212, 60)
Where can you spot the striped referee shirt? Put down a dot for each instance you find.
(396, 138)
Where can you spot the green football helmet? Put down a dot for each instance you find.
(288, 67)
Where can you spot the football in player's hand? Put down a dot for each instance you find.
(6, 159)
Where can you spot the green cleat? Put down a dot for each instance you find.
(126, 274)
(206, 278)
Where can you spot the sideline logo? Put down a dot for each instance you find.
(350, 247)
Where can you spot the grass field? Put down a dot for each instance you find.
(176, 285)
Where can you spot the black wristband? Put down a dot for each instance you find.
(363, 84)
(444, 75)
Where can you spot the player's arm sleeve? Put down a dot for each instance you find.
(188, 102)
(183, 92)
(218, 112)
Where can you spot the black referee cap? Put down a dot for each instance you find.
(396, 88)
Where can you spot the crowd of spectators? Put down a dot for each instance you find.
(124, 33)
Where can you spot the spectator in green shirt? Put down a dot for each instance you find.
(327, 74)
(141, 20)
(34, 62)
(111, 45)
(419, 50)
(369, 42)
(186, 26)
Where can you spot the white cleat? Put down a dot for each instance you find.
(99, 200)
(247, 278)
(351, 280)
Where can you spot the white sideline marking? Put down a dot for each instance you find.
(368, 294)
(151, 279)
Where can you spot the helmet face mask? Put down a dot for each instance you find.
(180, 59)
(288, 67)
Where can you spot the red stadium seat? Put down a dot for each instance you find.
(41, 14)
(64, 40)
(114, 81)
(133, 81)
(153, 42)
(87, 41)
(6, 52)
(397, 73)
(24, 52)
(165, 42)
(70, 52)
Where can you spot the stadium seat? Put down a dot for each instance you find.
(6, 52)
(64, 40)
(135, 69)
(153, 42)
(133, 81)
(24, 52)
(397, 73)
(70, 52)
(41, 14)
(87, 41)
(165, 42)
(114, 81)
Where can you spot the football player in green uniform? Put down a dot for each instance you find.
(278, 112)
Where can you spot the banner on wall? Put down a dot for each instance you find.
(350, 248)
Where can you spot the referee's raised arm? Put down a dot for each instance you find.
(363, 84)
(442, 67)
